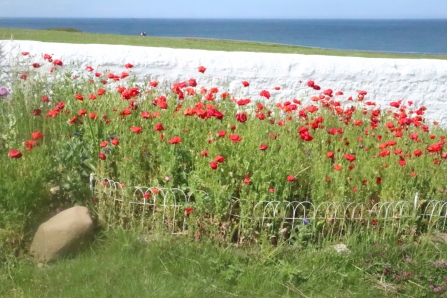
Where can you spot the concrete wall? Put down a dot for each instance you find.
(421, 80)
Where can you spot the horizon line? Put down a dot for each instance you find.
(244, 18)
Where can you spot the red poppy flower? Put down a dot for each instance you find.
(58, 62)
(101, 91)
(337, 167)
(136, 129)
(188, 210)
(434, 148)
(202, 69)
(272, 190)
(209, 96)
(79, 97)
(47, 57)
(14, 153)
(245, 83)
(378, 180)
(145, 115)
(37, 112)
(153, 84)
(124, 75)
(115, 142)
(221, 133)
(25, 53)
(104, 144)
(213, 165)
(89, 68)
(175, 140)
(402, 162)
(192, 82)
(384, 153)
(265, 93)
(235, 138)
(247, 179)
(417, 152)
(263, 147)
(158, 127)
(311, 83)
(330, 154)
(220, 159)
(128, 65)
(349, 157)
(204, 153)
(92, 116)
(36, 65)
(82, 112)
(73, 120)
(102, 156)
(243, 102)
(241, 117)
(37, 135)
(30, 144)
(290, 178)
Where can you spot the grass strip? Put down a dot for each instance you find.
(64, 35)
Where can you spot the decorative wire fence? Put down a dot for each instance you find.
(171, 208)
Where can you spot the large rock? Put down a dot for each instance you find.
(62, 234)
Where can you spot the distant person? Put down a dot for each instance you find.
(143, 33)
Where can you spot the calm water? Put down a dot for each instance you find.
(409, 36)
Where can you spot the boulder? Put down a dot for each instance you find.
(62, 234)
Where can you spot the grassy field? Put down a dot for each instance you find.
(65, 35)
(132, 265)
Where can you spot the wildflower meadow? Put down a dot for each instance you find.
(185, 157)
(324, 145)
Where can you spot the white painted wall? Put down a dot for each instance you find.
(423, 81)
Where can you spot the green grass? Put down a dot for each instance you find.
(188, 43)
(63, 29)
(128, 265)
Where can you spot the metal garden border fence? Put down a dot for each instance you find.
(332, 218)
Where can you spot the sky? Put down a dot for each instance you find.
(222, 9)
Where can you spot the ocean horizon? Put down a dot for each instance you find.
(418, 36)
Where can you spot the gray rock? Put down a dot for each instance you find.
(62, 234)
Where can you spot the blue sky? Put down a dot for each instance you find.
(293, 9)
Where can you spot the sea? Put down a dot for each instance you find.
(420, 36)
